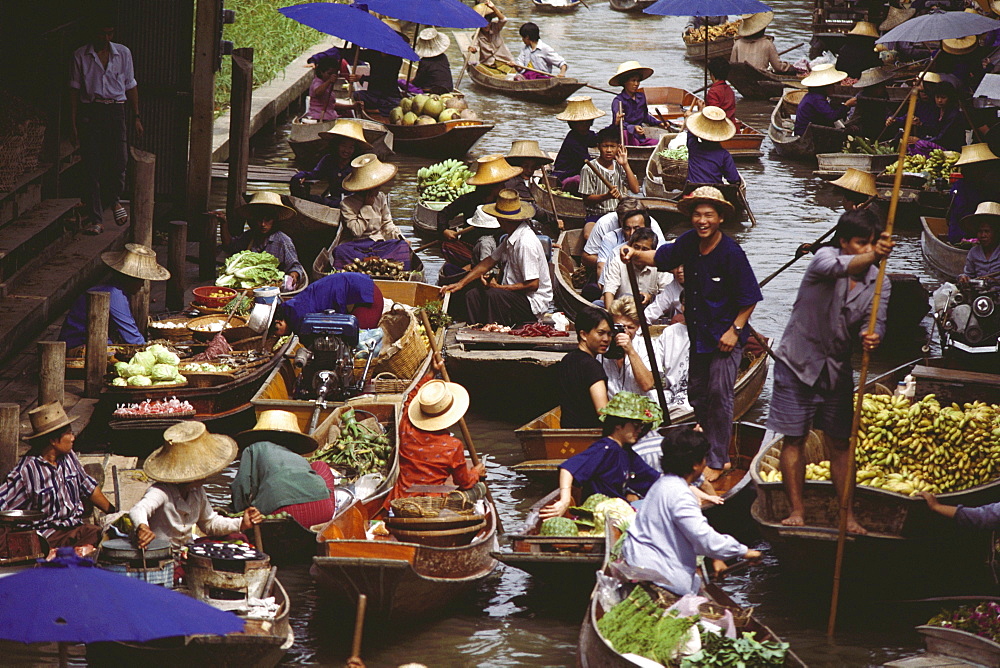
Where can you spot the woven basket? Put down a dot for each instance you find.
(403, 347)
(386, 383)
(430, 506)
(11, 149)
(673, 172)
(34, 139)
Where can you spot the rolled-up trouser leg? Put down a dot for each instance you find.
(711, 383)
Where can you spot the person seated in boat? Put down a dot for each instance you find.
(494, 55)
(524, 292)
(980, 169)
(382, 93)
(926, 110)
(346, 141)
(50, 479)
(720, 94)
(867, 119)
(434, 71)
(756, 49)
(610, 466)
(615, 279)
(583, 383)
(525, 154)
(708, 160)
(984, 257)
(668, 305)
(612, 229)
(629, 106)
(985, 517)
(815, 107)
(346, 292)
(670, 531)
(616, 238)
(626, 363)
(857, 53)
(428, 453)
(947, 127)
(698, 23)
(963, 60)
(614, 168)
(323, 89)
(580, 114)
(813, 380)
(264, 212)
(275, 476)
(539, 56)
(858, 190)
(176, 502)
(132, 266)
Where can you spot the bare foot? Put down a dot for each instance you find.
(854, 527)
(794, 520)
(711, 474)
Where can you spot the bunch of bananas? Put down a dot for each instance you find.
(697, 35)
(444, 181)
(938, 164)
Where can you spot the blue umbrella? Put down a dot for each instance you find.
(706, 7)
(441, 13)
(939, 25)
(351, 23)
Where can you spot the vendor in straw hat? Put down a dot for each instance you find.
(629, 106)
(708, 160)
(434, 72)
(264, 214)
(580, 114)
(720, 294)
(346, 141)
(489, 44)
(756, 49)
(177, 501)
(984, 257)
(526, 154)
(275, 475)
(365, 213)
(962, 59)
(980, 169)
(926, 110)
(857, 54)
(815, 107)
(50, 479)
(857, 188)
(525, 291)
(132, 266)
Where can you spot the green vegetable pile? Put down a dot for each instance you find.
(558, 526)
(153, 366)
(357, 448)
(443, 182)
(936, 165)
(206, 367)
(717, 650)
(592, 514)
(861, 145)
(439, 318)
(241, 305)
(247, 269)
(638, 625)
(679, 153)
(378, 267)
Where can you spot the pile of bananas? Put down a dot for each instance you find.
(936, 165)
(697, 35)
(444, 181)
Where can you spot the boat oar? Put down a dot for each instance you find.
(741, 193)
(552, 199)
(648, 338)
(359, 627)
(426, 245)
(473, 455)
(257, 537)
(532, 69)
(846, 496)
(599, 174)
(465, 58)
(795, 259)
(780, 53)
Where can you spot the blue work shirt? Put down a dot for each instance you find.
(982, 517)
(573, 153)
(717, 287)
(327, 169)
(336, 291)
(608, 468)
(965, 199)
(708, 162)
(815, 108)
(121, 325)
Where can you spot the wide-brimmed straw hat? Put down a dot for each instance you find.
(973, 153)
(492, 169)
(580, 108)
(281, 427)
(754, 23)
(369, 172)
(706, 194)
(48, 418)
(137, 261)
(895, 17)
(824, 75)
(482, 220)
(189, 453)
(525, 149)
(438, 405)
(985, 212)
(263, 202)
(628, 69)
(509, 207)
(960, 46)
(484, 10)
(349, 128)
(711, 123)
(874, 76)
(864, 29)
(431, 43)
(393, 23)
(929, 78)
(857, 181)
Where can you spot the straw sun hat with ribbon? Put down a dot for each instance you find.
(431, 43)
(706, 195)
(137, 261)
(264, 203)
(711, 124)
(754, 23)
(438, 405)
(960, 46)
(580, 108)
(281, 427)
(874, 76)
(525, 149)
(189, 453)
(986, 212)
(857, 181)
(46, 419)
(628, 69)
(824, 75)
(346, 128)
(864, 29)
(973, 153)
(492, 169)
(509, 207)
(369, 172)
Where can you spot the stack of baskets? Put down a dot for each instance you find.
(404, 348)
(437, 521)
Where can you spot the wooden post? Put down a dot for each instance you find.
(98, 312)
(239, 136)
(51, 372)
(199, 175)
(177, 231)
(143, 198)
(10, 435)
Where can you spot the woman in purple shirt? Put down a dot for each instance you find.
(629, 106)
(815, 107)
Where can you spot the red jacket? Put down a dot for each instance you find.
(721, 95)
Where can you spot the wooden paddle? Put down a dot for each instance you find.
(473, 455)
(552, 198)
(648, 339)
(780, 53)
(795, 259)
(599, 174)
(741, 193)
(426, 245)
(359, 627)
(465, 58)
(532, 69)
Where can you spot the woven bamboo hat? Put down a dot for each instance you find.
(960, 46)
(864, 29)
(706, 194)
(509, 207)
(369, 172)
(628, 69)
(711, 123)
(973, 153)
(580, 108)
(754, 23)
(874, 76)
(137, 261)
(281, 427)
(824, 75)
(988, 212)
(48, 418)
(492, 169)
(438, 405)
(857, 181)
(266, 202)
(895, 17)
(524, 149)
(349, 128)
(484, 10)
(189, 453)
(431, 43)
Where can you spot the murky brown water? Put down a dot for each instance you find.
(511, 621)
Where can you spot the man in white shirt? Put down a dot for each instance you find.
(613, 239)
(538, 55)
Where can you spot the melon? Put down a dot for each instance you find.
(405, 104)
(409, 118)
(447, 96)
(426, 120)
(468, 115)
(456, 103)
(396, 115)
(418, 104)
(433, 108)
(558, 526)
(448, 115)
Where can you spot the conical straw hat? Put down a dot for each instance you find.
(709, 194)
(824, 75)
(712, 124)
(864, 29)
(369, 172)
(973, 153)
(48, 418)
(754, 23)
(929, 77)
(349, 128)
(264, 201)
(137, 261)
(431, 43)
(627, 69)
(281, 427)
(509, 207)
(580, 108)
(960, 46)
(491, 169)
(986, 211)
(857, 181)
(393, 23)
(874, 76)
(189, 453)
(438, 405)
(895, 17)
(521, 149)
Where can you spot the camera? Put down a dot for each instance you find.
(615, 351)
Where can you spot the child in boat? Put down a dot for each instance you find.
(539, 56)
(614, 167)
(629, 106)
(346, 141)
(322, 90)
(580, 114)
(720, 94)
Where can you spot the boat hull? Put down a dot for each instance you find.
(424, 219)
(634, 6)
(307, 145)
(754, 84)
(816, 138)
(554, 90)
(452, 139)
(717, 48)
(546, 8)
(940, 256)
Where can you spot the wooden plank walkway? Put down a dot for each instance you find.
(256, 173)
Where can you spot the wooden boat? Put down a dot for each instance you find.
(668, 104)
(667, 178)
(817, 138)
(550, 7)
(574, 213)
(287, 542)
(635, 6)
(451, 139)
(553, 90)
(940, 255)
(425, 217)
(717, 48)
(756, 84)
(307, 145)
(322, 264)
(954, 646)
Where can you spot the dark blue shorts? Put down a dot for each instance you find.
(796, 407)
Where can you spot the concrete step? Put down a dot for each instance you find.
(26, 237)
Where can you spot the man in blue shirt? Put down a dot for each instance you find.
(720, 294)
(815, 106)
(708, 161)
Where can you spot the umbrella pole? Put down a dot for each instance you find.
(354, 71)
(846, 494)
(409, 67)
(706, 54)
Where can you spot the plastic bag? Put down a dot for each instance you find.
(826, 58)
(678, 141)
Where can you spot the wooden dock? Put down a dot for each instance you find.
(256, 173)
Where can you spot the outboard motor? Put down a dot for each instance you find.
(327, 361)
(970, 323)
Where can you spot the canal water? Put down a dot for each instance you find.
(511, 620)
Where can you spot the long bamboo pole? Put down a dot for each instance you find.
(548, 74)
(648, 340)
(552, 198)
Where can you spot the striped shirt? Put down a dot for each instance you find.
(56, 490)
(591, 185)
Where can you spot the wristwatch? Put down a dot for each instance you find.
(738, 330)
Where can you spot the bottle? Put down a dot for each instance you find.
(910, 390)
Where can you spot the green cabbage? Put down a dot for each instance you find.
(250, 270)
(163, 372)
(133, 369)
(146, 359)
(168, 358)
(121, 368)
(119, 382)
(157, 349)
(139, 381)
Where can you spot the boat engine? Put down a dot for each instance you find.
(970, 321)
(327, 360)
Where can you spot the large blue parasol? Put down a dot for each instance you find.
(939, 25)
(351, 23)
(706, 7)
(441, 13)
